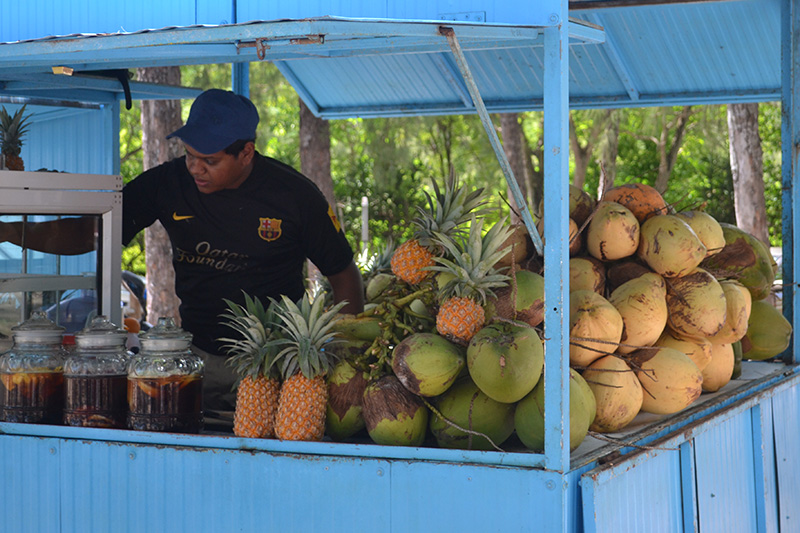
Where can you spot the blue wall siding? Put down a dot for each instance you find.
(70, 139)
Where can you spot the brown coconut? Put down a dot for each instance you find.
(617, 392)
(738, 304)
(587, 273)
(697, 304)
(669, 246)
(643, 200)
(642, 304)
(707, 228)
(697, 349)
(519, 245)
(581, 204)
(613, 232)
(595, 327)
(719, 371)
(671, 381)
(621, 271)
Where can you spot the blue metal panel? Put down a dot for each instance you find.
(541, 13)
(766, 469)
(127, 487)
(724, 458)
(71, 140)
(786, 420)
(645, 496)
(30, 487)
(445, 497)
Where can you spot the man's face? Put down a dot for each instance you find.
(215, 172)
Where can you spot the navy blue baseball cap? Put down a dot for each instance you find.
(218, 119)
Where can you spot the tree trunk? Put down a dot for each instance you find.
(513, 142)
(668, 153)
(608, 155)
(748, 171)
(315, 162)
(159, 119)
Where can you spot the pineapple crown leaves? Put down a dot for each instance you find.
(12, 129)
(471, 262)
(372, 263)
(447, 212)
(307, 331)
(252, 351)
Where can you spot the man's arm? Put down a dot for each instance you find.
(66, 236)
(348, 285)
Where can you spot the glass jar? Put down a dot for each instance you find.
(31, 373)
(96, 377)
(165, 381)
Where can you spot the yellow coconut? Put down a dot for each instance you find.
(642, 304)
(707, 229)
(671, 381)
(587, 273)
(738, 304)
(613, 232)
(669, 246)
(595, 327)
(697, 304)
(719, 371)
(617, 392)
(575, 239)
(643, 200)
(625, 270)
(697, 349)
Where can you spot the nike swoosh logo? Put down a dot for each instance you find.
(176, 216)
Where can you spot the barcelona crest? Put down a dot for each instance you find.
(334, 219)
(269, 228)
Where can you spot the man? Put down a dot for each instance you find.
(238, 222)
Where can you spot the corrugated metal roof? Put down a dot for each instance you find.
(669, 54)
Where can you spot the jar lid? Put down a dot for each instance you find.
(38, 328)
(101, 332)
(165, 335)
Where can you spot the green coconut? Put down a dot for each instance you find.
(393, 415)
(344, 416)
(426, 363)
(737, 360)
(466, 406)
(529, 415)
(377, 285)
(522, 299)
(669, 246)
(768, 332)
(505, 360)
(745, 259)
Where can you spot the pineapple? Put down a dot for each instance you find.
(304, 363)
(251, 356)
(12, 130)
(471, 276)
(446, 213)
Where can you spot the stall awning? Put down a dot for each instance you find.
(637, 55)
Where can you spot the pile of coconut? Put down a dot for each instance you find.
(663, 307)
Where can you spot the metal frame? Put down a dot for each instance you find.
(73, 194)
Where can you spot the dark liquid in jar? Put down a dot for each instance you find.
(172, 403)
(32, 397)
(96, 401)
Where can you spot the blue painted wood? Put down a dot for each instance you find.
(790, 165)
(768, 470)
(688, 475)
(556, 256)
(786, 425)
(724, 459)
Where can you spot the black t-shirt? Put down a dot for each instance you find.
(255, 238)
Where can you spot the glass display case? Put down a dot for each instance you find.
(70, 285)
